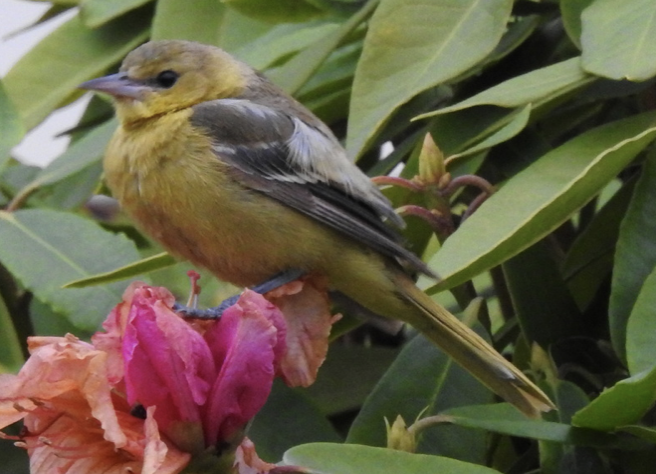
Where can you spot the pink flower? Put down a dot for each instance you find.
(306, 308)
(73, 420)
(154, 389)
(206, 382)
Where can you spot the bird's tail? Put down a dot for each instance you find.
(472, 352)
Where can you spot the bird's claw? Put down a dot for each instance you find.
(271, 284)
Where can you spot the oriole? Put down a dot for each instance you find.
(226, 170)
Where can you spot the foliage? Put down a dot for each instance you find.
(551, 101)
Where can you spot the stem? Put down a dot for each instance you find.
(503, 295)
(467, 180)
(401, 182)
(427, 422)
(21, 197)
(475, 204)
(441, 226)
(192, 302)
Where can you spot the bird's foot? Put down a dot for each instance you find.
(191, 311)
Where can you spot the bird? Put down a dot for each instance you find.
(225, 169)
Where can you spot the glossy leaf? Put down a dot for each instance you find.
(131, 270)
(51, 71)
(282, 40)
(641, 431)
(641, 329)
(506, 132)
(47, 322)
(419, 45)
(625, 403)
(443, 385)
(302, 421)
(348, 375)
(38, 249)
(296, 72)
(95, 13)
(542, 302)
(11, 354)
(532, 87)
(85, 152)
(635, 255)
(326, 458)
(10, 126)
(279, 11)
(589, 261)
(551, 189)
(202, 20)
(462, 130)
(607, 48)
(504, 418)
(571, 11)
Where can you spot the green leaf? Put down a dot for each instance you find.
(297, 71)
(279, 11)
(571, 11)
(348, 375)
(641, 329)
(302, 422)
(542, 302)
(95, 13)
(207, 21)
(505, 419)
(239, 31)
(50, 72)
(338, 7)
(199, 20)
(532, 87)
(464, 129)
(72, 192)
(11, 355)
(418, 45)
(422, 381)
(131, 270)
(618, 39)
(10, 125)
(641, 432)
(45, 249)
(625, 403)
(82, 154)
(326, 458)
(517, 122)
(589, 261)
(635, 255)
(281, 41)
(47, 322)
(537, 200)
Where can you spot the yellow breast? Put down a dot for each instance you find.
(168, 179)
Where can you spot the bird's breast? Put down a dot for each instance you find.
(168, 179)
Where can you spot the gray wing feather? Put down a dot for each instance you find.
(272, 153)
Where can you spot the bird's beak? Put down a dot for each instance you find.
(117, 85)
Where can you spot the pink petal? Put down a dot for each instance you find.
(72, 445)
(244, 344)
(306, 308)
(160, 457)
(65, 375)
(111, 341)
(248, 462)
(167, 364)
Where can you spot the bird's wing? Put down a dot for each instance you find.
(304, 168)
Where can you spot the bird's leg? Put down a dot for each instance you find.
(272, 283)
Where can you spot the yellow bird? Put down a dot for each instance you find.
(226, 170)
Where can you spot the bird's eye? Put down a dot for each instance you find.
(167, 79)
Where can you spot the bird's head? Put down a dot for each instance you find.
(164, 76)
